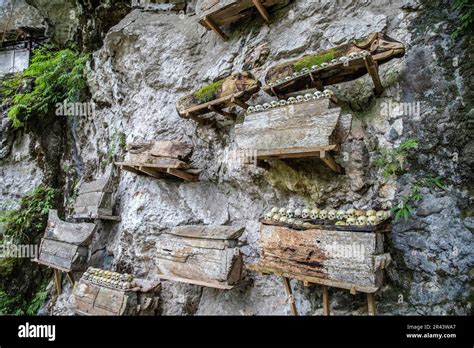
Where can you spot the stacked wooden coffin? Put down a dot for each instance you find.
(101, 292)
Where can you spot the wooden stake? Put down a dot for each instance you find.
(226, 114)
(70, 276)
(214, 27)
(373, 70)
(238, 102)
(371, 304)
(326, 309)
(330, 162)
(181, 174)
(261, 9)
(291, 298)
(57, 281)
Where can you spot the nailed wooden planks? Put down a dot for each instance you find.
(203, 255)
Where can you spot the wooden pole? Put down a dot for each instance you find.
(373, 71)
(371, 304)
(326, 309)
(291, 298)
(261, 9)
(70, 276)
(57, 281)
(214, 27)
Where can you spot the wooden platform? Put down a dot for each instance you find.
(220, 13)
(307, 129)
(160, 159)
(218, 105)
(330, 75)
(201, 255)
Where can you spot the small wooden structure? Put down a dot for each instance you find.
(202, 255)
(234, 90)
(216, 14)
(101, 294)
(339, 64)
(160, 159)
(312, 128)
(326, 256)
(95, 200)
(65, 247)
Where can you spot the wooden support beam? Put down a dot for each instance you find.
(326, 309)
(181, 174)
(238, 102)
(57, 281)
(262, 10)
(214, 27)
(373, 70)
(151, 172)
(330, 162)
(371, 304)
(291, 298)
(70, 276)
(219, 111)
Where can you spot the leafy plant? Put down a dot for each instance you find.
(466, 17)
(54, 76)
(392, 161)
(208, 93)
(314, 59)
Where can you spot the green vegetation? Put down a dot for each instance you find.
(17, 305)
(208, 93)
(466, 17)
(392, 161)
(54, 76)
(314, 59)
(405, 206)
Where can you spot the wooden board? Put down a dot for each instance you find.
(307, 129)
(157, 171)
(165, 149)
(337, 256)
(201, 254)
(62, 256)
(71, 233)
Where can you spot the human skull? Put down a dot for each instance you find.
(283, 219)
(291, 221)
(323, 214)
(372, 220)
(288, 78)
(298, 213)
(323, 65)
(282, 212)
(334, 61)
(353, 55)
(351, 221)
(250, 109)
(365, 53)
(282, 102)
(332, 214)
(314, 67)
(300, 99)
(380, 215)
(290, 213)
(268, 216)
(258, 108)
(292, 100)
(328, 93)
(351, 213)
(344, 59)
(360, 212)
(296, 73)
(276, 217)
(341, 214)
(274, 104)
(305, 213)
(275, 210)
(304, 70)
(315, 213)
(298, 222)
(308, 97)
(318, 94)
(361, 221)
(370, 212)
(267, 106)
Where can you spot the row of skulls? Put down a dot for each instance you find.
(344, 60)
(291, 100)
(108, 278)
(354, 217)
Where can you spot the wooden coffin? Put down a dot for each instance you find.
(343, 63)
(94, 200)
(160, 159)
(348, 260)
(202, 255)
(233, 90)
(65, 245)
(95, 295)
(306, 129)
(217, 13)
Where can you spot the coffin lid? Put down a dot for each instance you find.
(72, 233)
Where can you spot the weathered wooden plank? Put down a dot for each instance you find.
(291, 298)
(181, 174)
(326, 306)
(62, 256)
(371, 304)
(72, 233)
(373, 70)
(169, 149)
(208, 232)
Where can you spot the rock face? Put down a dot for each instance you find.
(149, 60)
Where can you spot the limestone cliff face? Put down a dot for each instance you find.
(148, 60)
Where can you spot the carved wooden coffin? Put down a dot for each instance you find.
(101, 292)
(305, 129)
(94, 200)
(203, 255)
(65, 245)
(342, 63)
(160, 159)
(350, 260)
